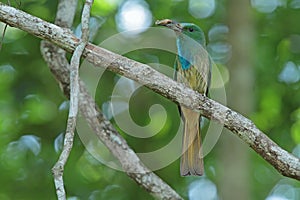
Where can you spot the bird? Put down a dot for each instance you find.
(193, 69)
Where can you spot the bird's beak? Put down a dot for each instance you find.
(175, 26)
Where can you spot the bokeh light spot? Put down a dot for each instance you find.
(133, 15)
(202, 8)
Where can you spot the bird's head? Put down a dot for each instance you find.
(189, 29)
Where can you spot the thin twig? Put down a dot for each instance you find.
(58, 168)
(73, 110)
(4, 30)
(2, 38)
(64, 6)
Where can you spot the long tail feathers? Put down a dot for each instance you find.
(192, 158)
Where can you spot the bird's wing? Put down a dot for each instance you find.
(202, 67)
(176, 65)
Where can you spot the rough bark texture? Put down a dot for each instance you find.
(59, 66)
(105, 131)
(286, 163)
(66, 7)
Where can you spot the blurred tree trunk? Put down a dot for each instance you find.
(234, 183)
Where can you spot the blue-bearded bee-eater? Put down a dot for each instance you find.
(193, 69)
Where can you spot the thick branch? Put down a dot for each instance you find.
(105, 131)
(59, 66)
(284, 162)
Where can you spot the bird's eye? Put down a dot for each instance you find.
(191, 29)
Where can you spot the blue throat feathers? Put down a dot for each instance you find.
(182, 54)
(184, 63)
(186, 49)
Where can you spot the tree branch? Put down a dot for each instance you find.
(286, 163)
(130, 162)
(58, 168)
(59, 66)
(64, 6)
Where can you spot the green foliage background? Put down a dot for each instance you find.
(34, 111)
